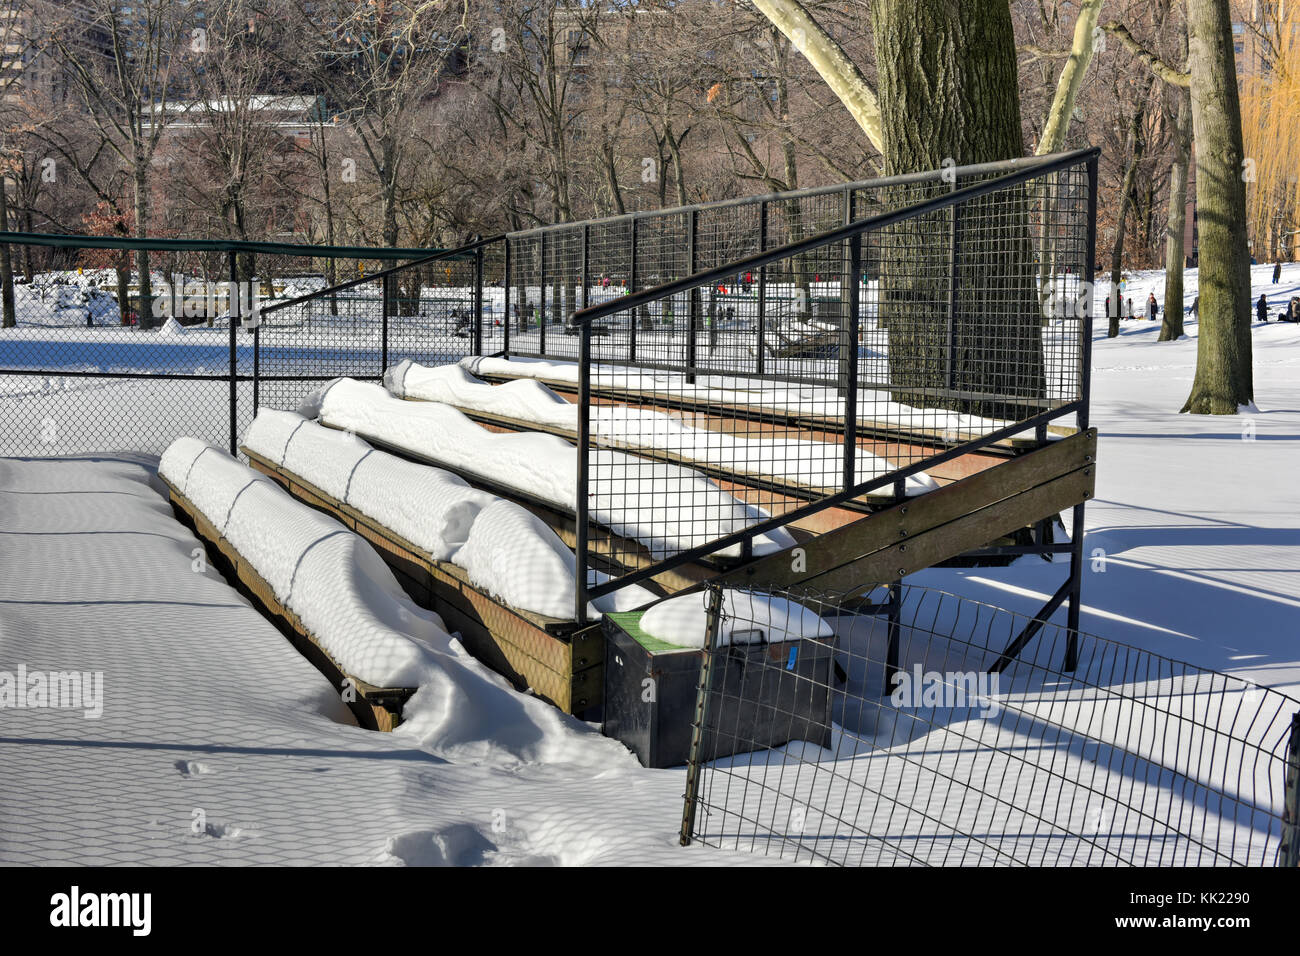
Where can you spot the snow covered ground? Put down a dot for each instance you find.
(1194, 533)
(218, 743)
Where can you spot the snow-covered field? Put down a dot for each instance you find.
(218, 743)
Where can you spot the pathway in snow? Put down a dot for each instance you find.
(218, 743)
(1194, 536)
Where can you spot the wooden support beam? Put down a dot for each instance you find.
(923, 531)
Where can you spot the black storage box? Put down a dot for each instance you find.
(764, 695)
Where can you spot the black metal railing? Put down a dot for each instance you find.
(919, 333)
(938, 758)
(740, 365)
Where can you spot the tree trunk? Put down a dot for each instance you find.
(123, 273)
(1171, 329)
(145, 307)
(1223, 379)
(1136, 147)
(828, 59)
(949, 93)
(10, 318)
(1058, 117)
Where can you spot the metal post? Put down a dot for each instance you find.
(631, 287)
(949, 373)
(257, 368)
(581, 518)
(894, 615)
(583, 277)
(851, 385)
(541, 293)
(1085, 394)
(1289, 852)
(762, 288)
(843, 377)
(232, 311)
(387, 294)
(697, 758)
(478, 299)
(692, 296)
(505, 320)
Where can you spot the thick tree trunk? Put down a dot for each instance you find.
(1175, 257)
(1223, 379)
(949, 93)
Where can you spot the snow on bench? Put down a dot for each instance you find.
(811, 464)
(747, 618)
(341, 590)
(505, 549)
(667, 508)
(874, 408)
(351, 604)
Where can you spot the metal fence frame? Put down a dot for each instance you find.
(998, 177)
(1217, 747)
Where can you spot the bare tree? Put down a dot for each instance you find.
(124, 77)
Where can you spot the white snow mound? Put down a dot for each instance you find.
(813, 463)
(349, 600)
(747, 618)
(667, 508)
(432, 508)
(516, 557)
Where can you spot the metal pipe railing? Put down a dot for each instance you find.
(851, 233)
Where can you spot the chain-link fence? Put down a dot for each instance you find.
(94, 359)
(917, 743)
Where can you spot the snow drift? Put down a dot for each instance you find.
(506, 550)
(747, 618)
(812, 463)
(349, 600)
(667, 508)
(432, 508)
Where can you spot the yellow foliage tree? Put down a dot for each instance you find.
(1270, 108)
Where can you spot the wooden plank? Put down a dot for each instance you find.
(973, 530)
(917, 515)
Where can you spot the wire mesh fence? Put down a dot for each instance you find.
(94, 359)
(910, 747)
(870, 331)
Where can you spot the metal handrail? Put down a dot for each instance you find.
(830, 237)
(901, 179)
(154, 244)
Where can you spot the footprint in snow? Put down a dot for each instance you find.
(192, 768)
(458, 845)
(223, 831)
